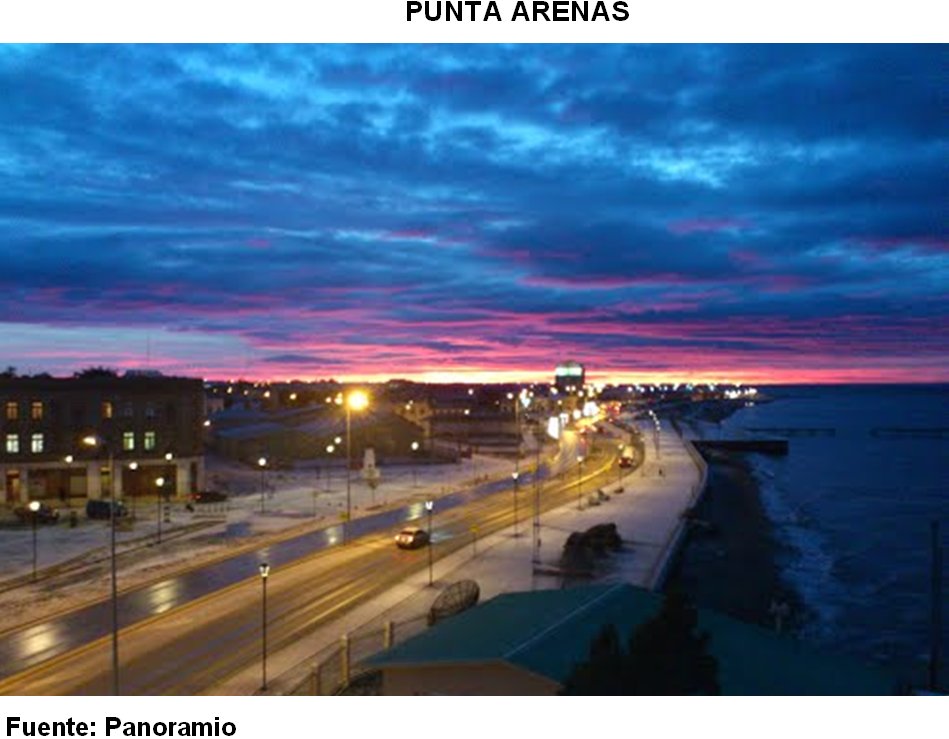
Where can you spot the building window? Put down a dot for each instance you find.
(13, 410)
(127, 410)
(36, 410)
(149, 441)
(128, 441)
(36, 443)
(13, 444)
(107, 409)
(149, 410)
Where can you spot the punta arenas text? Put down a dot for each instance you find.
(539, 10)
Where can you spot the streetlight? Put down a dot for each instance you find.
(579, 482)
(133, 466)
(264, 569)
(536, 559)
(514, 476)
(160, 484)
(329, 468)
(429, 506)
(98, 441)
(262, 463)
(415, 464)
(619, 464)
(357, 400)
(34, 510)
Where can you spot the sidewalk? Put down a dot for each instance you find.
(647, 515)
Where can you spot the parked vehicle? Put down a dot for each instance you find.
(102, 509)
(411, 538)
(208, 496)
(44, 514)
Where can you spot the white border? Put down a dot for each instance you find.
(331, 21)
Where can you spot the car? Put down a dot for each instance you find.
(625, 462)
(411, 538)
(44, 514)
(102, 509)
(208, 496)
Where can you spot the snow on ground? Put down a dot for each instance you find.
(292, 500)
(647, 514)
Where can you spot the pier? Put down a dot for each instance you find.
(778, 447)
(793, 431)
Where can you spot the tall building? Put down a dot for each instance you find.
(151, 427)
(569, 377)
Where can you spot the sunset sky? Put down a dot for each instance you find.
(476, 212)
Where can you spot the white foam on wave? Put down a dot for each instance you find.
(809, 568)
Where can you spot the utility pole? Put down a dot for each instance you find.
(935, 654)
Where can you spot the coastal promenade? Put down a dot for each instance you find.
(647, 514)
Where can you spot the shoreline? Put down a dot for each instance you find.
(732, 563)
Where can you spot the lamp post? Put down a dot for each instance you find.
(133, 466)
(579, 482)
(98, 441)
(619, 467)
(415, 464)
(329, 468)
(264, 569)
(357, 400)
(68, 459)
(34, 509)
(160, 484)
(515, 476)
(429, 507)
(536, 558)
(262, 463)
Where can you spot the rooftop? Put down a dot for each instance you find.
(548, 631)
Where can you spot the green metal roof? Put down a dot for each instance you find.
(548, 631)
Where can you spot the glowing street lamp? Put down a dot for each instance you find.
(415, 446)
(357, 400)
(264, 570)
(34, 511)
(330, 448)
(98, 441)
(429, 507)
(262, 463)
(160, 484)
(515, 476)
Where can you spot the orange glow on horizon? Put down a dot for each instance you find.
(482, 376)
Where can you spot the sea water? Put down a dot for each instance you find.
(854, 509)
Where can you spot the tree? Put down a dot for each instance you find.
(96, 372)
(666, 655)
(602, 673)
(9, 373)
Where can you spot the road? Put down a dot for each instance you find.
(186, 645)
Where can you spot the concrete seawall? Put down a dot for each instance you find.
(667, 557)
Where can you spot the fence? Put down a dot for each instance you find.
(332, 669)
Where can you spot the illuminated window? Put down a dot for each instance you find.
(128, 441)
(36, 443)
(36, 410)
(149, 441)
(107, 409)
(13, 444)
(13, 410)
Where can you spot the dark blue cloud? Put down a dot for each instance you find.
(479, 207)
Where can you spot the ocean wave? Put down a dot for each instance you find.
(809, 566)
